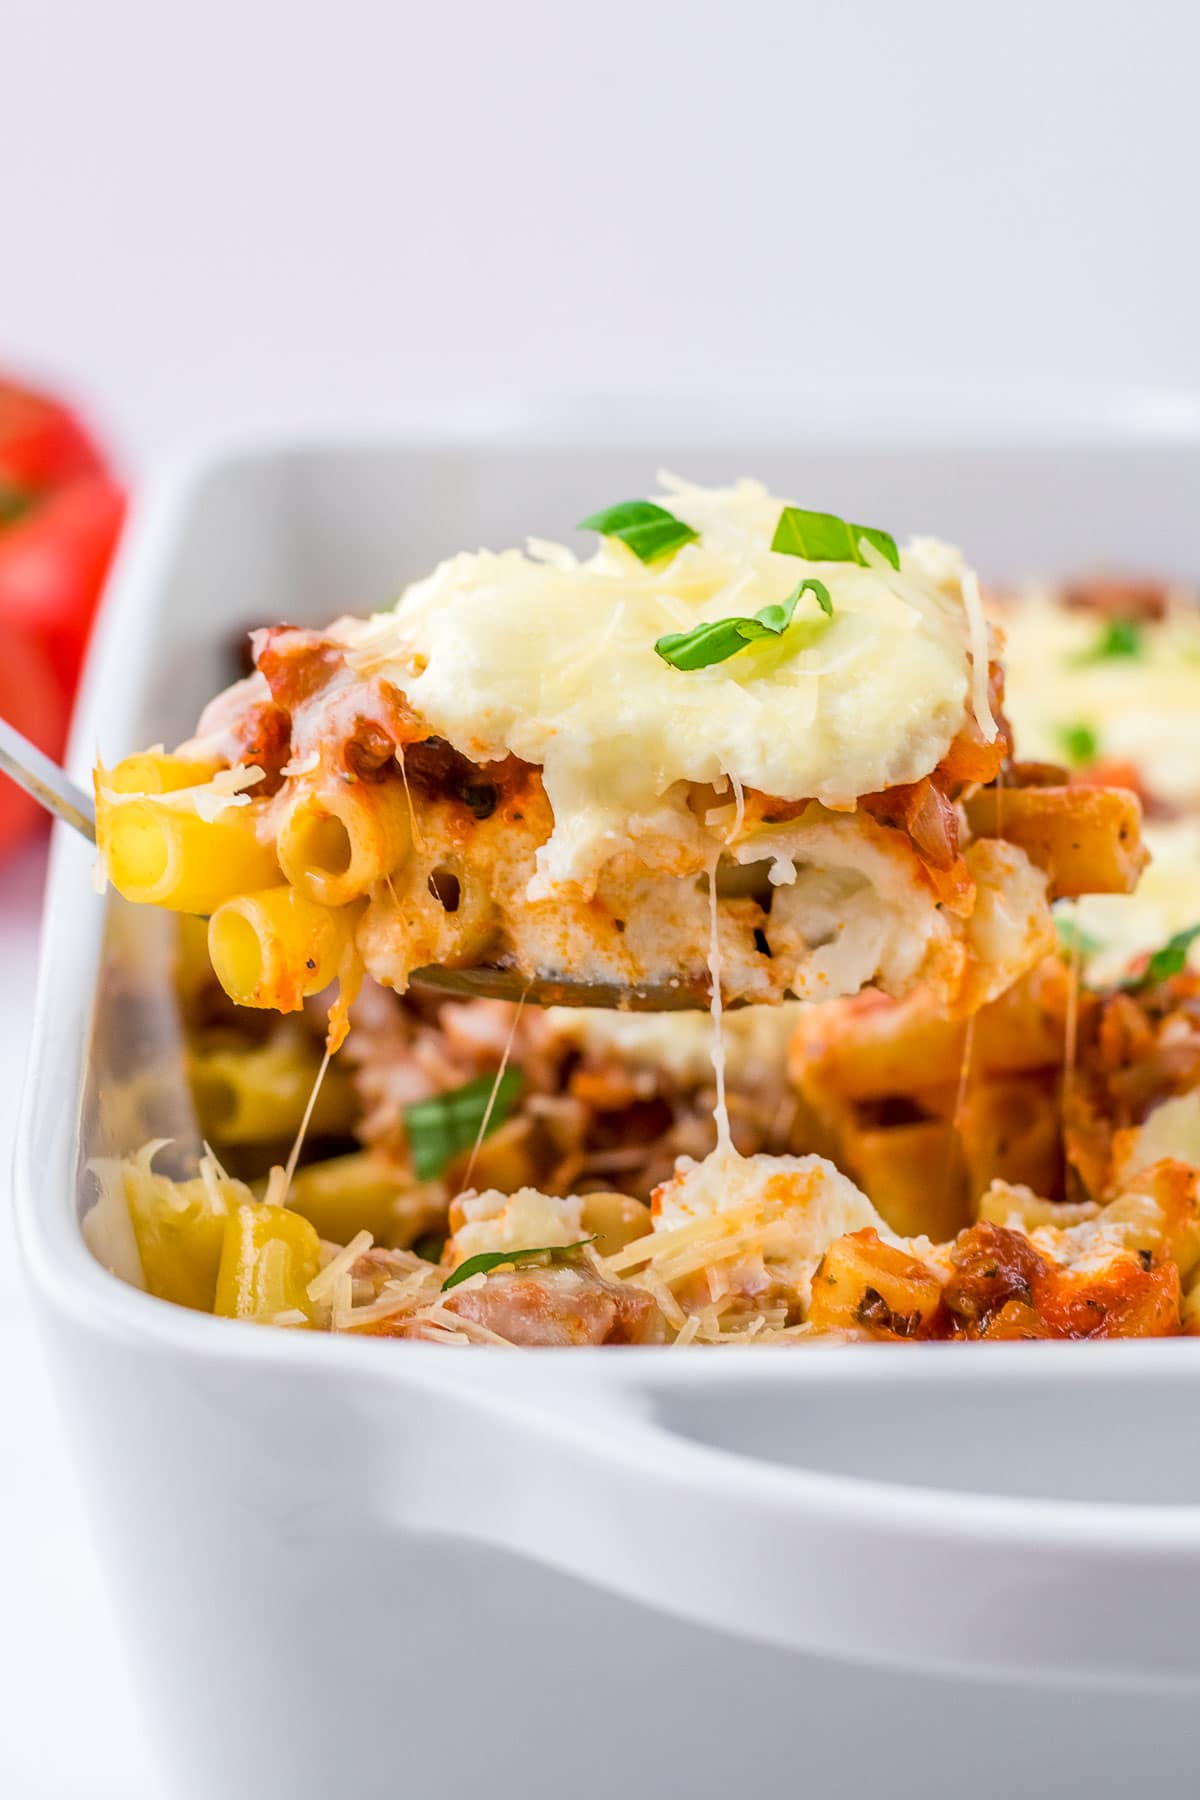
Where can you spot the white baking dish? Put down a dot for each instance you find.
(384, 1568)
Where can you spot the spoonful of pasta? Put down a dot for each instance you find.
(743, 752)
(54, 789)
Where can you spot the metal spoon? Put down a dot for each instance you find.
(53, 788)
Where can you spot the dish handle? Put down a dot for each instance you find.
(584, 1477)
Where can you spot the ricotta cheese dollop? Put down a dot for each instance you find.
(552, 659)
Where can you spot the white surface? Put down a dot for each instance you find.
(67, 1713)
(244, 212)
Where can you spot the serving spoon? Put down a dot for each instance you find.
(53, 788)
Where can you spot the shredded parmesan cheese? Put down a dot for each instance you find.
(322, 1285)
(977, 631)
(396, 1297)
(277, 1187)
(302, 765)
(438, 1314)
(868, 698)
(208, 800)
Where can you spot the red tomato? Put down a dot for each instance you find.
(41, 442)
(33, 699)
(60, 515)
(52, 565)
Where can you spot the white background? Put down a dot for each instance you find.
(244, 215)
(221, 213)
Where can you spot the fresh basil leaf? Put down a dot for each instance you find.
(1120, 638)
(823, 537)
(442, 1127)
(711, 643)
(648, 530)
(1072, 936)
(1170, 960)
(719, 639)
(495, 1259)
(780, 616)
(1080, 743)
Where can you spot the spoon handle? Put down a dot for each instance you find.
(50, 786)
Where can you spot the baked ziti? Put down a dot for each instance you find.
(1002, 1143)
(740, 737)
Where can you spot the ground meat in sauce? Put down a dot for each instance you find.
(295, 664)
(557, 1308)
(1111, 597)
(1003, 1287)
(1134, 1050)
(928, 816)
(992, 1265)
(369, 750)
(262, 735)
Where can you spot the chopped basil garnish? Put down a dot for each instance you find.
(648, 530)
(823, 537)
(781, 615)
(1170, 960)
(1080, 743)
(1120, 637)
(1072, 937)
(495, 1259)
(719, 639)
(443, 1126)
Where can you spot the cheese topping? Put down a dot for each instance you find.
(207, 799)
(1166, 900)
(1172, 1129)
(551, 659)
(770, 1219)
(809, 1188)
(1142, 709)
(490, 1222)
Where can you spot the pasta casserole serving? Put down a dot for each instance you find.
(743, 755)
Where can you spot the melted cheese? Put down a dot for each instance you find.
(1171, 1130)
(717, 1051)
(1166, 900)
(553, 660)
(490, 1222)
(812, 1190)
(766, 1221)
(1143, 709)
(680, 1043)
